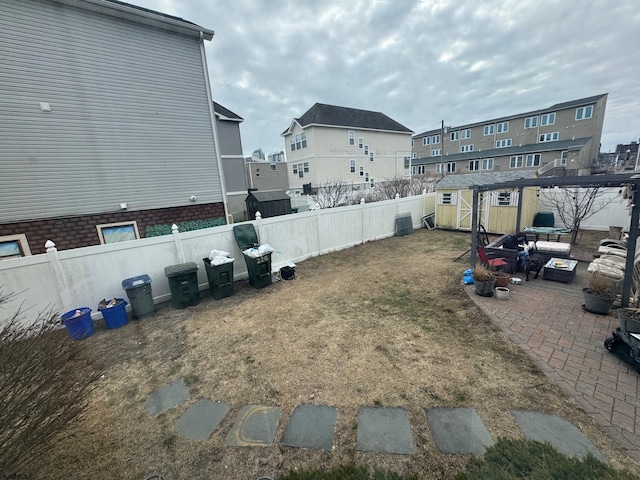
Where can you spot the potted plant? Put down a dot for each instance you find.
(502, 278)
(629, 319)
(483, 280)
(598, 296)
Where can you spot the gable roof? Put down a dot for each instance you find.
(552, 108)
(465, 180)
(269, 195)
(333, 116)
(221, 111)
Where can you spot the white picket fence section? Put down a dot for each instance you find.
(70, 279)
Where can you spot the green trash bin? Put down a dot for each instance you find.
(220, 278)
(259, 268)
(140, 296)
(183, 283)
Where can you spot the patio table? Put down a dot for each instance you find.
(560, 270)
(537, 231)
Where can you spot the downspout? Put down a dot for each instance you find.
(214, 127)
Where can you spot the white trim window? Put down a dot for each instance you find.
(474, 165)
(361, 171)
(366, 176)
(582, 113)
(448, 198)
(487, 164)
(117, 232)
(466, 133)
(531, 122)
(412, 143)
(414, 155)
(533, 160)
(303, 136)
(293, 143)
(548, 119)
(351, 137)
(439, 168)
(418, 169)
(455, 136)
(502, 127)
(372, 182)
(426, 141)
(489, 130)
(548, 137)
(451, 167)
(504, 199)
(371, 156)
(466, 148)
(563, 158)
(515, 161)
(14, 246)
(366, 149)
(300, 169)
(435, 139)
(436, 152)
(352, 166)
(361, 143)
(503, 143)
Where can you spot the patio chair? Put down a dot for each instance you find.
(493, 263)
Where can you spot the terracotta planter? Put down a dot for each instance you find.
(502, 279)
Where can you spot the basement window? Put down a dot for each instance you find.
(14, 246)
(117, 232)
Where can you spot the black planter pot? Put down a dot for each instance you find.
(485, 289)
(596, 303)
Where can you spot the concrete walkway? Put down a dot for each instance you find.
(547, 320)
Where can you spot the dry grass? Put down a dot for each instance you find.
(385, 323)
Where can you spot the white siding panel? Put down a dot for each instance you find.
(130, 120)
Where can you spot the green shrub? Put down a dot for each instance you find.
(513, 459)
(157, 230)
(345, 472)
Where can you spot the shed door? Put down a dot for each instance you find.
(465, 206)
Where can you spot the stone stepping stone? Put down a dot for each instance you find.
(560, 433)
(310, 426)
(255, 426)
(201, 419)
(384, 429)
(458, 431)
(169, 396)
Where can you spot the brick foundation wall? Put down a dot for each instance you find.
(76, 232)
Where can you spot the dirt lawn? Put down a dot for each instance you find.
(385, 323)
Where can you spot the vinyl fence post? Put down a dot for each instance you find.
(318, 232)
(58, 276)
(261, 240)
(362, 202)
(178, 241)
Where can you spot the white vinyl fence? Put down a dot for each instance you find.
(70, 279)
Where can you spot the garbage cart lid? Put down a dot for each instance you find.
(134, 282)
(180, 269)
(245, 236)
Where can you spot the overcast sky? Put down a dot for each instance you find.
(417, 61)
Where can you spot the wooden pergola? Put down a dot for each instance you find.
(611, 180)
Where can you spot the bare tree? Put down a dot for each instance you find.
(332, 194)
(45, 379)
(575, 205)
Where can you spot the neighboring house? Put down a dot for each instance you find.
(563, 139)
(498, 210)
(107, 126)
(330, 143)
(228, 127)
(626, 156)
(266, 175)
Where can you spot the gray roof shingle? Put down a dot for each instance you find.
(465, 180)
(219, 109)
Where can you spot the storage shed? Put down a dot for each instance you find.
(270, 203)
(498, 209)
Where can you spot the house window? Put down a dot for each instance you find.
(451, 167)
(455, 136)
(503, 127)
(412, 143)
(352, 166)
(273, 166)
(14, 246)
(533, 160)
(372, 183)
(531, 122)
(489, 129)
(515, 161)
(474, 165)
(306, 167)
(436, 152)
(448, 198)
(371, 156)
(362, 171)
(351, 135)
(366, 149)
(366, 176)
(548, 137)
(503, 143)
(435, 139)
(583, 113)
(418, 170)
(466, 134)
(563, 158)
(361, 143)
(438, 168)
(426, 140)
(293, 143)
(298, 142)
(466, 148)
(117, 232)
(547, 119)
(414, 155)
(304, 139)
(487, 164)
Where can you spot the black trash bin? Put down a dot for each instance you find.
(259, 268)
(140, 296)
(183, 283)
(220, 278)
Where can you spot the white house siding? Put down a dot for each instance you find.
(328, 153)
(130, 120)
